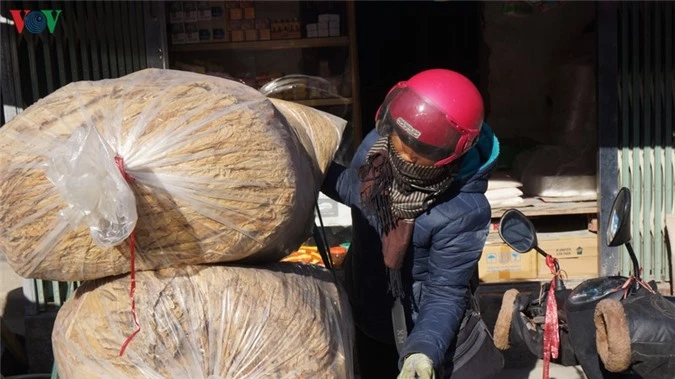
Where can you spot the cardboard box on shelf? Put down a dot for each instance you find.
(191, 32)
(232, 4)
(219, 29)
(176, 13)
(218, 11)
(204, 10)
(235, 25)
(177, 33)
(312, 30)
(264, 34)
(205, 32)
(327, 17)
(499, 263)
(322, 29)
(191, 12)
(577, 253)
(249, 13)
(332, 212)
(237, 35)
(220, 34)
(251, 34)
(236, 14)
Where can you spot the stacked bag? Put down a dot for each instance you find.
(154, 181)
(503, 191)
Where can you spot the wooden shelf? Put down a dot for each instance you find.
(324, 102)
(536, 207)
(298, 43)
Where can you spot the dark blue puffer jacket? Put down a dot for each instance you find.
(446, 244)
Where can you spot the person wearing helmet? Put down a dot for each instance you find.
(416, 187)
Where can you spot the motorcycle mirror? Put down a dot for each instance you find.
(618, 225)
(517, 231)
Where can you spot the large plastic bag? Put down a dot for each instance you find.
(283, 321)
(217, 172)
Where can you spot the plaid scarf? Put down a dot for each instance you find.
(397, 191)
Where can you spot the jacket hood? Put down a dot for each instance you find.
(479, 162)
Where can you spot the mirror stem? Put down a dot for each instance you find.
(540, 251)
(633, 258)
(559, 285)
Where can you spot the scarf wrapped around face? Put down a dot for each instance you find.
(397, 191)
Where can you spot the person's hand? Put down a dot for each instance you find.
(417, 365)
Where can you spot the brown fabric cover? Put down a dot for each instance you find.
(612, 335)
(503, 324)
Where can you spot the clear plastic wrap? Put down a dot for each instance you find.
(84, 172)
(220, 173)
(282, 321)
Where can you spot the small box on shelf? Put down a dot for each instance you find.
(191, 12)
(322, 29)
(191, 32)
(249, 13)
(219, 23)
(285, 29)
(312, 30)
(177, 31)
(237, 35)
(328, 17)
(232, 4)
(176, 13)
(205, 31)
(204, 12)
(218, 11)
(220, 34)
(264, 34)
(251, 35)
(263, 27)
(236, 14)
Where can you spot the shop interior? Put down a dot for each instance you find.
(533, 62)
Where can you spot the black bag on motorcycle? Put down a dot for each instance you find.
(521, 322)
(637, 333)
(474, 355)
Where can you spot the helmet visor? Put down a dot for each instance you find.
(420, 125)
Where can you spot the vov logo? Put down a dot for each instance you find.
(35, 21)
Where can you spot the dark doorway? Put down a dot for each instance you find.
(397, 39)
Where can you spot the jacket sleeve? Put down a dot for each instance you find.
(456, 248)
(341, 183)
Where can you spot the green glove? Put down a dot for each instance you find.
(417, 365)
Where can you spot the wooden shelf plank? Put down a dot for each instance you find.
(298, 43)
(536, 207)
(324, 102)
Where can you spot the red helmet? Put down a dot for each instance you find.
(438, 113)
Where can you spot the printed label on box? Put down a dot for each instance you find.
(176, 13)
(332, 212)
(177, 33)
(191, 12)
(204, 10)
(191, 32)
